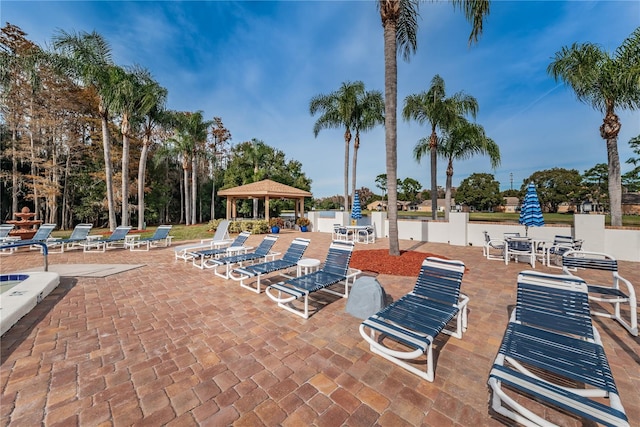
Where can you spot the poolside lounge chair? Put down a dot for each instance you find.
(42, 236)
(236, 247)
(288, 261)
(5, 238)
(552, 352)
(561, 245)
(220, 239)
(160, 238)
(78, 236)
(4, 231)
(334, 270)
(417, 318)
(116, 239)
(612, 293)
(261, 253)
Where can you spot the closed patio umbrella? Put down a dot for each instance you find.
(530, 211)
(356, 211)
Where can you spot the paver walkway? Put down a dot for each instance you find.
(170, 344)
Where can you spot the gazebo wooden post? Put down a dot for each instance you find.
(229, 202)
(266, 208)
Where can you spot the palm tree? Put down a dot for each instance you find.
(606, 82)
(369, 112)
(89, 57)
(337, 111)
(440, 112)
(400, 24)
(462, 141)
(155, 117)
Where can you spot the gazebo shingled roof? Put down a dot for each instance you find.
(266, 189)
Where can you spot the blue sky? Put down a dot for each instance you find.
(257, 64)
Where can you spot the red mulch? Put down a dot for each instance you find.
(379, 261)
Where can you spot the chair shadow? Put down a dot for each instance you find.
(12, 339)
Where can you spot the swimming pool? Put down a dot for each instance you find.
(21, 292)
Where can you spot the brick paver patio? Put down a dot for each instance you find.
(170, 344)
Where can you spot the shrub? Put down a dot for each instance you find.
(276, 222)
(303, 221)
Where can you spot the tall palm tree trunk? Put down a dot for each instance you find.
(187, 199)
(194, 189)
(609, 131)
(391, 136)
(447, 193)
(108, 169)
(354, 163)
(14, 172)
(433, 147)
(142, 168)
(347, 143)
(125, 169)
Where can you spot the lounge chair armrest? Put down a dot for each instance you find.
(385, 350)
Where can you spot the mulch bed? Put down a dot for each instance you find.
(379, 261)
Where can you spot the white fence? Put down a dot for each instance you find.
(623, 244)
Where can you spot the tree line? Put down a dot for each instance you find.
(70, 114)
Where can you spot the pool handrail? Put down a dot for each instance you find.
(45, 250)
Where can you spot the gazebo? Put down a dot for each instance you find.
(267, 190)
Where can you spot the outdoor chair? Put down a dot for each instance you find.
(493, 248)
(561, 245)
(416, 319)
(43, 235)
(288, 261)
(261, 253)
(78, 236)
(116, 239)
(160, 238)
(612, 293)
(4, 231)
(519, 247)
(366, 235)
(220, 239)
(551, 352)
(235, 247)
(335, 270)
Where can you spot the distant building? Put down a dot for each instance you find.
(631, 204)
(509, 204)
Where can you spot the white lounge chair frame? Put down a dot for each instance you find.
(619, 292)
(436, 296)
(551, 330)
(220, 239)
(198, 257)
(116, 239)
(160, 238)
(491, 246)
(262, 253)
(78, 236)
(335, 270)
(288, 261)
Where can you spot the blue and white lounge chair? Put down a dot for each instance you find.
(78, 236)
(288, 261)
(42, 236)
(220, 239)
(613, 293)
(334, 270)
(116, 239)
(235, 247)
(416, 319)
(551, 351)
(261, 254)
(4, 231)
(160, 238)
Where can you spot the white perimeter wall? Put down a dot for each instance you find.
(623, 244)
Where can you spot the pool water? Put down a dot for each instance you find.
(5, 286)
(8, 281)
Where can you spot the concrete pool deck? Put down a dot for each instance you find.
(170, 344)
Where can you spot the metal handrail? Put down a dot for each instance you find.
(45, 250)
